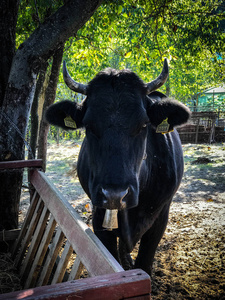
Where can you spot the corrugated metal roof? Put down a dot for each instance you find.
(216, 90)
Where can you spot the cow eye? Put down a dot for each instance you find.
(141, 128)
(144, 126)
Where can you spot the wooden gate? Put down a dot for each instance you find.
(54, 245)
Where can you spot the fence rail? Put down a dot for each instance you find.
(204, 127)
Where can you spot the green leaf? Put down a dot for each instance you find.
(120, 9)
(128, 54)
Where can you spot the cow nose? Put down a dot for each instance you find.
(114, 198)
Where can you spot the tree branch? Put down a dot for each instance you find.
(49, 36)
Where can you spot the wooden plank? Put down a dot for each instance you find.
(26, 223)
(121, 285)
(39, 257)
(31, 163)
(76, 269)
(187, 132)
(143, 297)
(31, 228)
(197, 130)
(61, 268)
(51, 258)
(9, 235)
(93, 254)
(27, 263)
(212, 132)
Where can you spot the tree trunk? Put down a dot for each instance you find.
(10, 181)
(49, 99)
(12, 140)
(8, 19)
(34, 120)
(34, 112)
(19, 93)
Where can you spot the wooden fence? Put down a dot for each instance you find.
(54, 245)
(204, 127)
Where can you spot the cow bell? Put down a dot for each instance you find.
(110, 221)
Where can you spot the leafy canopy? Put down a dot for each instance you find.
(138, 34)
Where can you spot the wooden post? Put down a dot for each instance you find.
(197, 130)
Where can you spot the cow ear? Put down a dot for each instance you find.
(174, 112)
(66, 114)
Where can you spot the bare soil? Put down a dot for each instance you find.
(190, 260)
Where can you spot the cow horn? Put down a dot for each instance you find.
(72, 84)
(160, 80)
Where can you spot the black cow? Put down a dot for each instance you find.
(125, 163)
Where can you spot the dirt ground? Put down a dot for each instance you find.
(190, 260)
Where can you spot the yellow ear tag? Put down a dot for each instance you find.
(163, 127)
(69, 122)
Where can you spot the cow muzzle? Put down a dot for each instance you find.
(114, 199)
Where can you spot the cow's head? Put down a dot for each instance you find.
(116, 113)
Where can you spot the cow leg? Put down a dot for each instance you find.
(108, 238)
(125, 259)
(150, 241)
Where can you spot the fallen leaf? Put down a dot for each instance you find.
(88, 207)
(209, 200)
